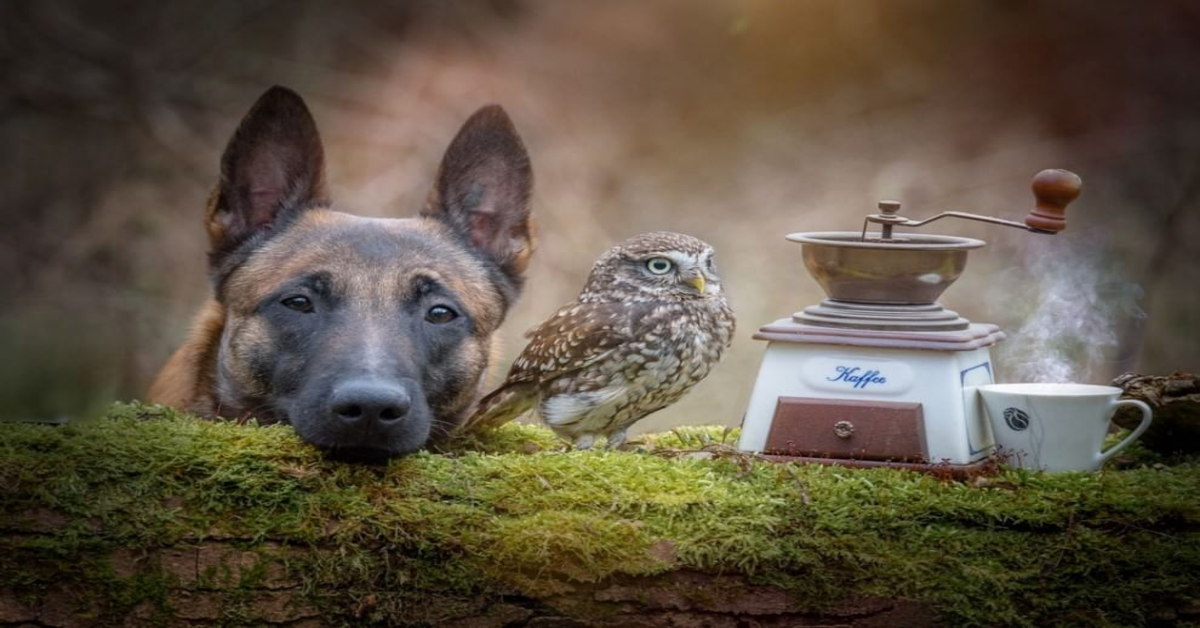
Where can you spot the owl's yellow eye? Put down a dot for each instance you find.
(659, 265)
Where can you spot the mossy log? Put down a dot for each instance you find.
(147, 517)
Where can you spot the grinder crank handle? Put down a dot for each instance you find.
(1054, 190)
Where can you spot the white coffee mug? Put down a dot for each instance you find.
(1056, 427)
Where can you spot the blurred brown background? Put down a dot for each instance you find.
(736, 121)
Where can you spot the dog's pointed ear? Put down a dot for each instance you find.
(274, 164)
(483, 188)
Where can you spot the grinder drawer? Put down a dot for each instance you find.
(843, 428)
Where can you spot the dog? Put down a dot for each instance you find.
(371, 337)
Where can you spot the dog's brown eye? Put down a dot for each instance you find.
(440, 315)
(300, 304)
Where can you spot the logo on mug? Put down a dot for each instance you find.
(1016, 418)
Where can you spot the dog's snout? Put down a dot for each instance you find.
(370, 402)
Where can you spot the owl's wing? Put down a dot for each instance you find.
(577, 335)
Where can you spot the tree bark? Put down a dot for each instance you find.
(1175, 401)
(225, 582)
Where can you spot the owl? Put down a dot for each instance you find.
(651, 322)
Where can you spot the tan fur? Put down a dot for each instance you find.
(271, 231)
(186, 380)
(293, 253)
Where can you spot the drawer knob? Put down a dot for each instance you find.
(843, 429)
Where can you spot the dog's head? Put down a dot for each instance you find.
(371, 336)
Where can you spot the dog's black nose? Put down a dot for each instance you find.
(369, 402)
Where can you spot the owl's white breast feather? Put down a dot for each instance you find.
(594, 408)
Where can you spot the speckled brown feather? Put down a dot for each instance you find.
(631, 344)
(576, 336)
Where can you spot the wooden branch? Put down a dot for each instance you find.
(1175, 400)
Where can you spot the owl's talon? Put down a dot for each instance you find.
(615, 441)
(584, 443)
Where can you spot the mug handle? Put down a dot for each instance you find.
(1146, 416)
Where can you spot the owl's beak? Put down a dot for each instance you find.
(697, 283)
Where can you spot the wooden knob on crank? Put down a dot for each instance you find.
(1054, 190)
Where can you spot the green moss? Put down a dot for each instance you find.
(513, 511)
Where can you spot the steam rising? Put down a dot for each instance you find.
(1079, 304)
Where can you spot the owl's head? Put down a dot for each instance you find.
(655, 265)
